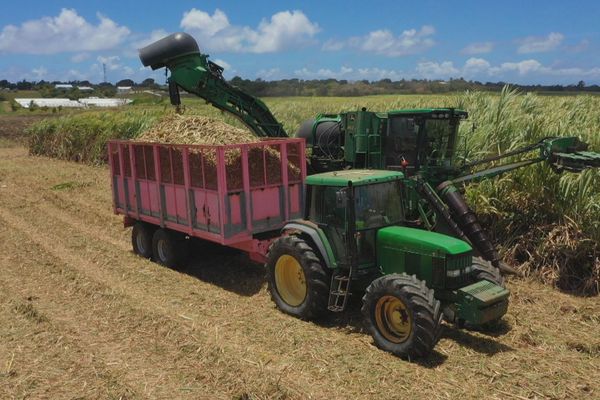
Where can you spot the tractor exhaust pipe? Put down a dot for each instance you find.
(160, 53)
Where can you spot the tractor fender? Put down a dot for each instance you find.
(317, 236)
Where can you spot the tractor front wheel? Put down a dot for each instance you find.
(298, 282)
(483, 269)
(402, 315)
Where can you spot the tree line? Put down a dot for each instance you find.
(300, 87)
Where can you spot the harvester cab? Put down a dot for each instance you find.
(354, 238)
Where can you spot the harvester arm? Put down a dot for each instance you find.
(562, 153)
(194, 73)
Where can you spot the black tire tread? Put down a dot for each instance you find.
(426, 311)
(316, 275)
(485, 270)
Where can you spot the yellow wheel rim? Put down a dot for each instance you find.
(290, 281)
(393, 319)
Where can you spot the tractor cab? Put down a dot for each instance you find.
(421, 138)
(353, 238)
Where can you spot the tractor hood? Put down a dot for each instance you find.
(420, 241)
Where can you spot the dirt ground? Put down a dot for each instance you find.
(82, 317)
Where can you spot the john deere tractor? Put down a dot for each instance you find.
(383, 209)
(421, 143)
(354, 231)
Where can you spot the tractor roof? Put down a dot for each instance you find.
(430, 111)
(358, 177)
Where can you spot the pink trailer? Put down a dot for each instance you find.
(237, 195)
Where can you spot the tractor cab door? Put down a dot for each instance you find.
(330, 215)
(401, 142)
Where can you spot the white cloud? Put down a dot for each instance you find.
(333, 45)
(112, 62)
(67, 32)
(283, 31)
(533, 44)
(226, 66)
(434, 70)
(475, 66)
(39, 73)
(151, 38)
(478, 48)
(384, 42)
(80, 57)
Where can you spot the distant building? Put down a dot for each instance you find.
(66, 103)
(97, 102)
(85, 88)
(123, 89)
(63, 86)
(56, 102)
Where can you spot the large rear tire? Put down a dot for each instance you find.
(402, 315)
(141, 239)
(297, 281)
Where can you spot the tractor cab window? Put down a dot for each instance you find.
(401, 141)
(438, 147)
(324, 209)
(378, 205)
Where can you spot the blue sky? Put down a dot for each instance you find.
(531, 42)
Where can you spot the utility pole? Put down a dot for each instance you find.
(104, 69)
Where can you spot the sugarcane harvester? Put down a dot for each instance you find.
(383, 212)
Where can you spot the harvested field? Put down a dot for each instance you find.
(82, 317)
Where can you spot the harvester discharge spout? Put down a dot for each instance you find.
(195, 73)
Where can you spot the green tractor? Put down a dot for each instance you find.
(384, 213)
(354, 234)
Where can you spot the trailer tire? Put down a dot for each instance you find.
(168, 248)
(402, 315)
(297, 280)
(141, 239)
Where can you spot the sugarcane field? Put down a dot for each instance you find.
(275, 226)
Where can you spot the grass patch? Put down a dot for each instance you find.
(70, 185)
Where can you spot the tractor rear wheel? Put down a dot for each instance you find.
(402, 315)
(297, 281)
(141, 239)
(169, 248)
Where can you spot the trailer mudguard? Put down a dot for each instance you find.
(317, 236)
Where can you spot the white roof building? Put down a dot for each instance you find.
(63, 86)
(85, 88)
(97, 102)
(56, 102)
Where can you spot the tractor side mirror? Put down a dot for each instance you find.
(341, 198)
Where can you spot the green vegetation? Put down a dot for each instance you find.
(83, 137)
(543, 218)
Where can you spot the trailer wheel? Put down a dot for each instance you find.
(402, 315)
(297, 281)
(168, 248)
(141, 239)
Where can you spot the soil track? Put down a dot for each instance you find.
(82, 317)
